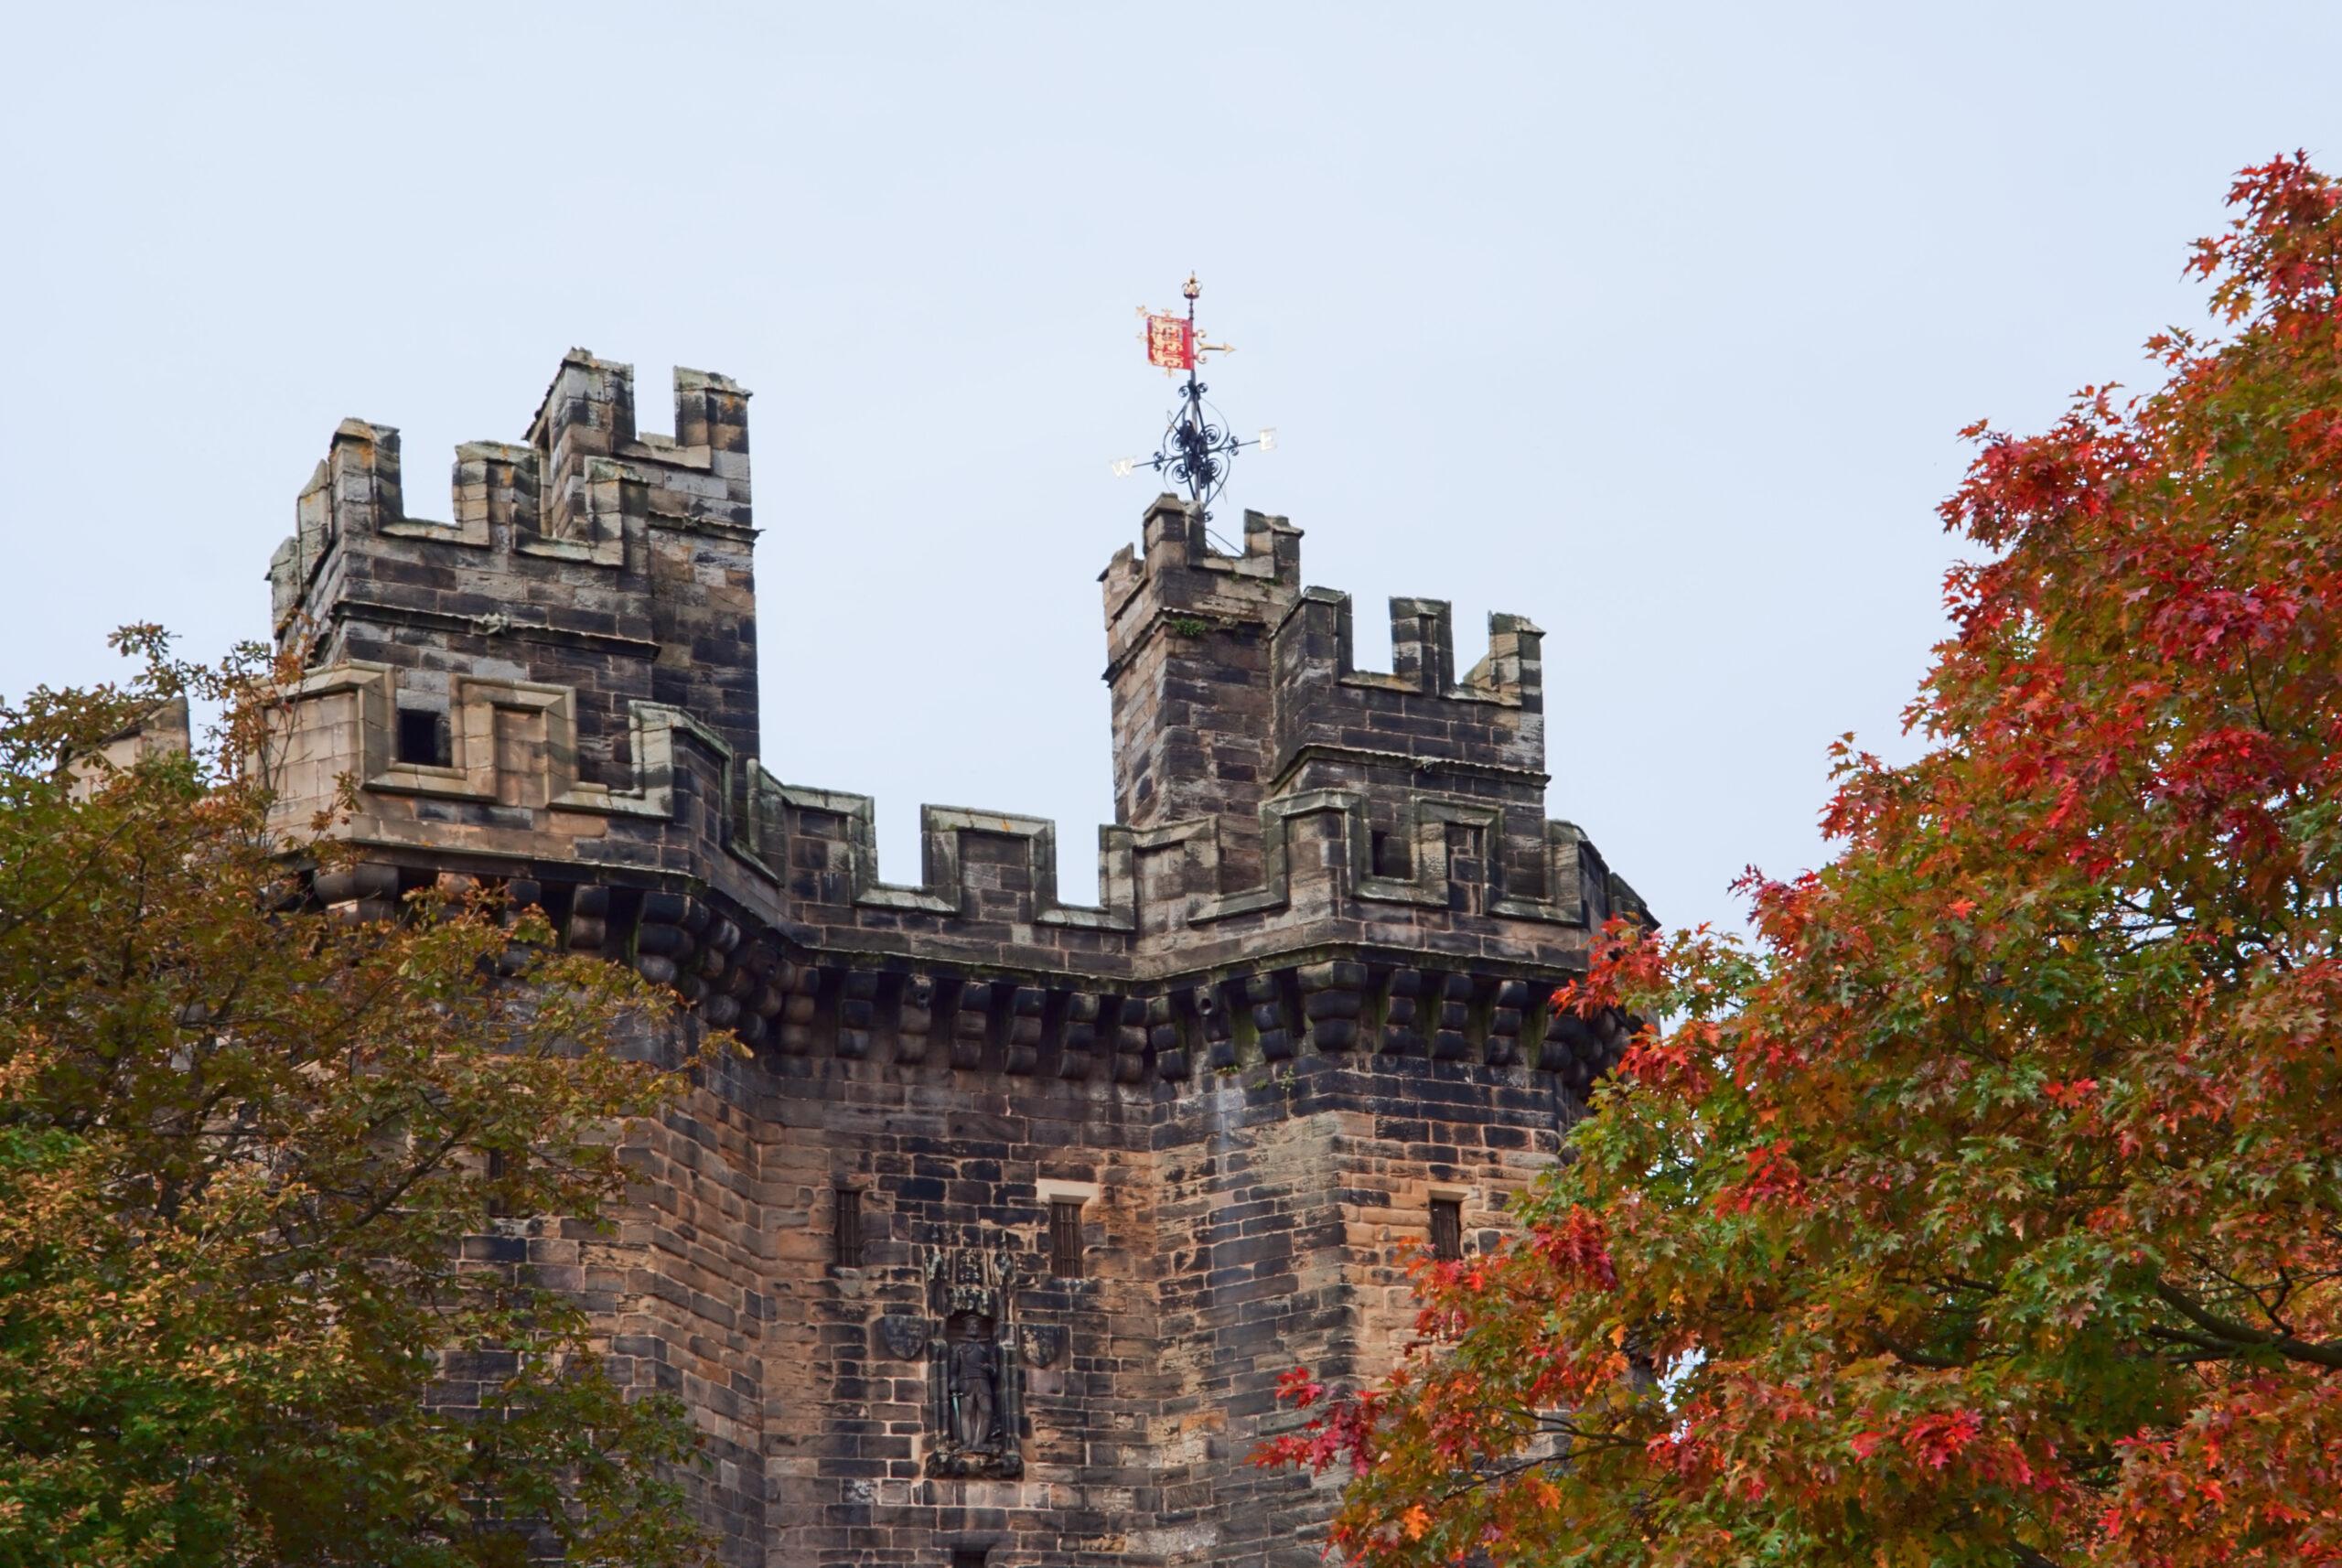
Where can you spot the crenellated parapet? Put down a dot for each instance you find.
(557, 689)
(590, 556)
(509, 792)
(1416, 718)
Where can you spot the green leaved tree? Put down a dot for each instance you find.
(242, 1147)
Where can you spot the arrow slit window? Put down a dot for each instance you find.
(847, 1236)
(1065, 1238)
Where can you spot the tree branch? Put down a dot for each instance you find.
(2326, 1354)
(1912, 1354)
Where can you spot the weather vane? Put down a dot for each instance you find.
(1197, 447)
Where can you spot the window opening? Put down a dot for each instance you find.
(423, 738)
(497, 1167)
(1389, 855)
(1065, 1238)
(848, 1228)
(1447, 1228)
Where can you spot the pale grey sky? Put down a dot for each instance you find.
(1652, 323)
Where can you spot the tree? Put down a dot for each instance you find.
(242, 1144)
(1988, 1211)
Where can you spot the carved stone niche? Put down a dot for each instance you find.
(976, 1383)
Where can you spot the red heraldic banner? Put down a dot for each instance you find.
(1170, 343)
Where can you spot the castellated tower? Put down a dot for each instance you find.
(993, 1248)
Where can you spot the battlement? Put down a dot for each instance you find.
(1176, 572)
(561, 496)
(1418, 713)
(558, 688)
(589, 556)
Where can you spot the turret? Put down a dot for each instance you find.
(591, 556)
(1418, 735)
(1187, 656)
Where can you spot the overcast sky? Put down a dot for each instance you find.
(1654, 324)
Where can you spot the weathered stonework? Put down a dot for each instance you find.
(999, 1240)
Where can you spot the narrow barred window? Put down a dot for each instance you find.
(1448, 1228)
(849, 1228)
(497, 1208)
(1065, 1238)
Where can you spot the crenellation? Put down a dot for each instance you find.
(1321, 986)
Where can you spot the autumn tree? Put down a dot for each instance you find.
(242, 1144)
(1989, 1210)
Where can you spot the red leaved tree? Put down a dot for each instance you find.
(1991, 1210)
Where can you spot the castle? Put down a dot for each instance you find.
(992, 1248)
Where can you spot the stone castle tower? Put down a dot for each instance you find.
(992, 1250)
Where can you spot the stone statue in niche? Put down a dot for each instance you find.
(972, 1362)
(974, 1376)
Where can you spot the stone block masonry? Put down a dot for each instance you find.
(995, 1247)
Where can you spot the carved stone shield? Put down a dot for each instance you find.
(1044, 1343)
(904, 1337)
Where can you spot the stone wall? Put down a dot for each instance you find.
(1314, 998)
(1230, 1229)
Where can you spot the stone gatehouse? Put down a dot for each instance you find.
(993, 1248)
